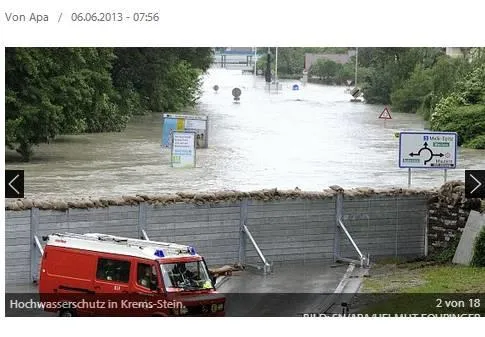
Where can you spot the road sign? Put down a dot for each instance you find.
(295, 87)
(385, 114)
(14, 183)
(475, 184)
(355, 92)
(183, 149)
(216, 87)
(236, 92)
(177, 122)
(427, 150)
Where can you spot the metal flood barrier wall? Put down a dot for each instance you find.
(285, 230)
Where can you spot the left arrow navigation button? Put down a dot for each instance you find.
(14, 183)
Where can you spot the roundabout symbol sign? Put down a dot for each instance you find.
(431, 154)
(427, 150)
(435, 150)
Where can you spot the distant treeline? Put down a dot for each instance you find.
(447, 91)
(56, 91)
(291, 62)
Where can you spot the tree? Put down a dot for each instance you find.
(52, 91)
(155, 76)
(346, 72)
(179, 89)
(414, 91)
(392, 67)
(377, 84)
(291, 61)
(463, 111)
(325, 69)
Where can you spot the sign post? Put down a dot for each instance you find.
(183, 149)
(409, 177)
(432, 150)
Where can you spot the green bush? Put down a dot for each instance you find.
(477, 143)
(467, 120)
(414, 92)
(478, 259)
(377, 85)
(446, 254)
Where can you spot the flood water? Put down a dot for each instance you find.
(309, 139)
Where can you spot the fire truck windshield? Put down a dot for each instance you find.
(185, 276)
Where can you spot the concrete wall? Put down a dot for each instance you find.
(17, 246)
(121, 220)
(212, 229)
(286, 229)
(385, 227)
(291, 230)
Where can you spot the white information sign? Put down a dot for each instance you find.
(183, 149)
(195, 124)
(175, 122)
(427, 150)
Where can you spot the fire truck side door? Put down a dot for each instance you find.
(146, 285)
(112, 281)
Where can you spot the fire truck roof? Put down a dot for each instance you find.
(120, 245)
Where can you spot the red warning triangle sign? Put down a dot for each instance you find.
(385, 114)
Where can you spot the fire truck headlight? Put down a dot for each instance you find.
(214, 307)
(220, 306)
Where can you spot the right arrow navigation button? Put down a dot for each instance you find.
(475, 184)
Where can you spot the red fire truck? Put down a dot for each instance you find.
(104, 275)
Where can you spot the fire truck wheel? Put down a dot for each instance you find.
(67, 313)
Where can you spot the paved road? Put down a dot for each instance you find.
(291, 290)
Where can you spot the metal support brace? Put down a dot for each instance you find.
(242, 236)
(144, 235)
(338, 216)
(34, 251)
(266, 267)
(38, 245)
(142, 221)
(364, 260)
